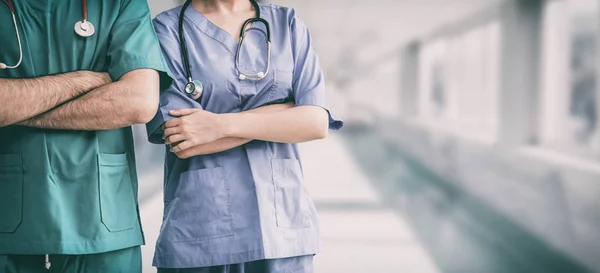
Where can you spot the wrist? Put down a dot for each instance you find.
(228, 127)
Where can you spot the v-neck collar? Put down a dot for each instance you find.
(217, 33)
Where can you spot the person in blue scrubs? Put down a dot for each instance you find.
(234, 194)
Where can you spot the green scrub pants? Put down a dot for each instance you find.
(127, 260)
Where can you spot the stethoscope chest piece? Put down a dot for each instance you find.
(84, 28)
(194, 89)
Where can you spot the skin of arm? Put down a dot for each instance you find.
(294, 125)
(131, 100)
(26, 98)
(227, 143)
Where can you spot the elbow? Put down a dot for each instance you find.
(317, 123)
(144, 95)
(321, 129)
(145, 107)
(145, 113)
(321, 132)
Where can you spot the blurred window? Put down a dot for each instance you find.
(433, 97)
(570, 89)
(459, 81)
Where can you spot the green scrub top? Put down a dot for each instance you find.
(72, 192)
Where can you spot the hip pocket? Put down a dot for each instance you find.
(291, 207)
(117, 200)
(203, 210)
(11, 192)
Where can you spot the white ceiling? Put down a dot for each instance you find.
(374, 28)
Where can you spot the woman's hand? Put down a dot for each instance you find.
(192, 127)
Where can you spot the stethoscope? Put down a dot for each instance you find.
(83, 28)
(194, 88)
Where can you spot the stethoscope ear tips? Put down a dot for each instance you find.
(3, 66)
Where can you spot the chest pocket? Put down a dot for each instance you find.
(281, 90)
(274, 88)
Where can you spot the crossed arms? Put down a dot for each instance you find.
(198, 132)
(80, 100)
(85, 100)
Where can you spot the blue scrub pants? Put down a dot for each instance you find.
(120, 261)
(302, 264)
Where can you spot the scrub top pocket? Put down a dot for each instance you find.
(291, 204)
(203, 209)
(11, 195)
(117, 202)
(281, 90)
(275, 87)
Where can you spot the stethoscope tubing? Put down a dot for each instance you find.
(13, 12)
(243, 75)
(11, 7)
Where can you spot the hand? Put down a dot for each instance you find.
(192, 127)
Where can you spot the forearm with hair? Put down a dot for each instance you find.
(116, 105)
(228, 143)
(25, 98)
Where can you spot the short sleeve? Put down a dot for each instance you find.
(172, 98)
(133, 43)
(308, 82)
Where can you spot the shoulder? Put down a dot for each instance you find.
(167, 20)
(275, 8)
(281, 15)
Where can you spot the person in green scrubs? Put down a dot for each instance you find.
(68, 182)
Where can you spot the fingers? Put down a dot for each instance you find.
(285, 106)
(182, 112)
(185, 154)
(181, 146)
(172, 123)
(167, 132)
(178, 113)
(174, 139)
(174, 144)
(289, 105)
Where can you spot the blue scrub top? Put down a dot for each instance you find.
(247, 203)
